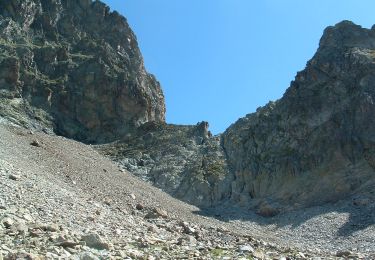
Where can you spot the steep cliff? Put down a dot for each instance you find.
(75, 68)
(316, 144)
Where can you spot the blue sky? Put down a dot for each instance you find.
(218, 60)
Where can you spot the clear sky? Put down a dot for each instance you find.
(218, 60)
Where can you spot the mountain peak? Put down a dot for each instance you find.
(347, 34)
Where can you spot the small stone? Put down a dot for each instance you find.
(131, 195)
(139, 206)
(35, 143)
(8, 222)
(135, 254)
(222, 229)
(88, 256)
(187, 228)
(246, 249)
(67, 244)
(95, 241)
(157, 213)
(343, 253)
(22, 228)
(51, 255)
(258, 254)
(51, 228)
(186, 239)
(14, 177)
(28, 217)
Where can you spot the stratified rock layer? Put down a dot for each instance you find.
(74, 67)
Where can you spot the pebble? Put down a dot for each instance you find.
(14, 177)
(35, 143)
(8, 222)
(88, 256)
(246, 249)
(95, 241)
(139, 206)
(343, 253)
(156, 213)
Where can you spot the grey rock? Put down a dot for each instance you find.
(246, 249)
(14, 177)
(343, 253)
(88, 256)
(8, 222)
(95, 241)
(22, 228)
(74, 69)
(156, 213)
(35, 143)
(318, 133)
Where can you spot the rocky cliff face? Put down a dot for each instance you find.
(185, 161)
(316, 144)
(74, 67)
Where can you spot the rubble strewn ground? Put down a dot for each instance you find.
(61, 199)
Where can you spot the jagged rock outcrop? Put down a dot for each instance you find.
(316, 144)
(185, 161)
(74, 67)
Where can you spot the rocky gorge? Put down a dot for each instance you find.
(73, 69)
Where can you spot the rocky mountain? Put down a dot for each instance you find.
(73, 67)
(314, 145)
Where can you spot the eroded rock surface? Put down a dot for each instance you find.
(185, 161)
(75, 68)
(315, 144)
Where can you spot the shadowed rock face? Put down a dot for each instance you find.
(317, 143)
(74, 67)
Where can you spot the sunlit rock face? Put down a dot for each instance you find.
(74, 67)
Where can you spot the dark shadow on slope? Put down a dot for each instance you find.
(360, 215)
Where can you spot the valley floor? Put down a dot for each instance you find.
(62, 199)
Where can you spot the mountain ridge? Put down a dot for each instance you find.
(318, 133)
